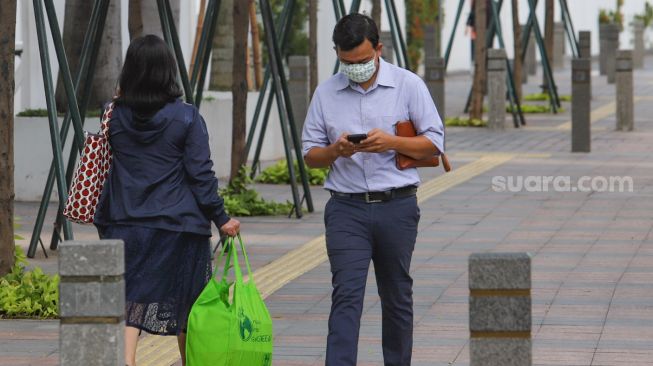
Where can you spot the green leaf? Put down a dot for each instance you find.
(28, 294)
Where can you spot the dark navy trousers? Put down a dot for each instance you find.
(384, 233)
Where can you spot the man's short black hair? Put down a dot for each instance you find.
(354, 29)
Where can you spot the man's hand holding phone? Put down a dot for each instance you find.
(343, 147)
(377, 141)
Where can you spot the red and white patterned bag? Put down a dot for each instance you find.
(92, 170)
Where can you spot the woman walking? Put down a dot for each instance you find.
(160, 196)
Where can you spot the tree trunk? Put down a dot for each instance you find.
(198, 35)
(223, 44)
(376, 12)
(135, 19)
(7, 47)
(517, 63)
(480, 76)
(256, 45)
(312, 45)
(239, 85)
(109, 62)
(144, 17)
(548, 37)
(76, 17)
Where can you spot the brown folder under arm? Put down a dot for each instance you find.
(407, 129)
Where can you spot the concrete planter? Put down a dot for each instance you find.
(33, 151)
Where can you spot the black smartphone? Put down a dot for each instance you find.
(356, 137)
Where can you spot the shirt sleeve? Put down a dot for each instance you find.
(424, 114)
(314, 133)
(200, 175)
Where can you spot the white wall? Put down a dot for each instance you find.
(584, 15)
(29, 79)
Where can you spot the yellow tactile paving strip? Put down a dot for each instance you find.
(162, 351)
(603, 112)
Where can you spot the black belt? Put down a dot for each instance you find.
(372, 197)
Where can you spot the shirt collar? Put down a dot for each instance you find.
(385, 76)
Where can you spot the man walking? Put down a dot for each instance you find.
(372, 214)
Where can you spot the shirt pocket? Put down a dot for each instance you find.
(388, 123)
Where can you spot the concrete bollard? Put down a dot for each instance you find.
(435, 75)
(496, 82)
(430, 49)
(638, 44)
(581, 87)
(500, 309)
(92, 303)
(298, 88)
(624, 78)
(558, 46)
(530, 53)
(612, 44)
(388, 52)
(585, 48)
(585, 44)
(603, 45)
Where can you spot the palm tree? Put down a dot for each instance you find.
(7, 48)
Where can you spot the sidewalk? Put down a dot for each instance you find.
(592, 251)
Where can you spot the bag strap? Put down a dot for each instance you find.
(106, 117)
(232, 254)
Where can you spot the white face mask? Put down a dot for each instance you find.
(359, 73)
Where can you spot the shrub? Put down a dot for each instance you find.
(28, 293)
(464, 122)
(240, 200)
(278, 174)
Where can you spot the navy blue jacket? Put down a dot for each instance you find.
(162, 174)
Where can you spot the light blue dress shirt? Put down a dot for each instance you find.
(340, 106)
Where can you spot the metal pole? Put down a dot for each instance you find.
(207, 54)
(355, 5)
(282, 25)
(170, 31)
(274, 59)
(88, 67)
(92, 29)
(201, 47)
(447, 53)
(52, 110)
(65, 72)
(517, 114)
(552, 89)
(569, 27)
(402, 44)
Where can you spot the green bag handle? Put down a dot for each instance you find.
(233, 252)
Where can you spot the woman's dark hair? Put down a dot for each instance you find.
(149, 76)
(354, 29)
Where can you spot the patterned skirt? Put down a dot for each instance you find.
(165, 272)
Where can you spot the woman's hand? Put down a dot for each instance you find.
(231, 228)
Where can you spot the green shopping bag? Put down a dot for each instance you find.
(229, 332)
